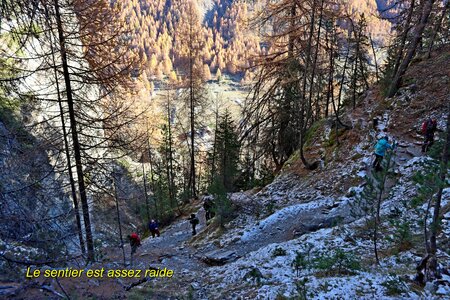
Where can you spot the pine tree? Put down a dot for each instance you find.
(167, 151)
(226, 152)
(75, 136)
(218, 75)
(83, 74)
(370, 201)
(359, 59)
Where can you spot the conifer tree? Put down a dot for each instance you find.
(370, 201)
(226, 152)
(359, 58)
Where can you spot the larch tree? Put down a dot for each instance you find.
(190, 42)
(83, 71)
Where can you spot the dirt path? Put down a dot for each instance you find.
(171, 248)
(176, 250)
(173, 251)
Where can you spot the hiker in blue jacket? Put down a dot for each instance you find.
(380, 150)
(153, 227)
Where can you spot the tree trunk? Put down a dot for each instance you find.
(213, 163)
(354, 83)
(192, 107)
(152, 178)
(69, 167)
(442, 177)
(375, 241)
(355, 72)
(119, 223)
(303, 108)
(330, 71)
(76, 144)
(404, 37)
(316, 54)
(374, 58)
(66, 148)
(437, 28)
(170, 157)
(145, 192)
(412, 47)
(192, 117)
(336, 107)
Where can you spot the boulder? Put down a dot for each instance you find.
(218, 257)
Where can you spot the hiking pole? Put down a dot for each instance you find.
(394, 152)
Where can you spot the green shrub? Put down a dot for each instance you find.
(299, 262)
(394, 286)
(223, 207)
(402, 237)
(255, 275)
(278, 251)
(338, 262)
(301, 289)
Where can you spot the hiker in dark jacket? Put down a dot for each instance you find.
(380, 151)
(153, 227)
(194, 222)
(208, 206)
(429, 128)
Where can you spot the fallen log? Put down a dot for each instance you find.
(136, 283)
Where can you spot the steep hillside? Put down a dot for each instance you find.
(36, 215)
(258, 117)
(309, 234)
(317, 221)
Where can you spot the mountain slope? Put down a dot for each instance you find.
(318, 218)
(314, 214)
(307, 233)
(229, 43)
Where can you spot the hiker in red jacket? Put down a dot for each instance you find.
(135, 242)
(429, 128)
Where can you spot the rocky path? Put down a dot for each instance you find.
(176, 248)
(173, 251)
(189, 257)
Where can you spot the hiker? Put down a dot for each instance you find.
(135, 242)
(153, 227)
(194, 222)
(380, 150)
(208, 205)
(429, 127)
(375, 123)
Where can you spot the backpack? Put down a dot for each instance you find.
(135, 238)
(424, 127)
(434, 124)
